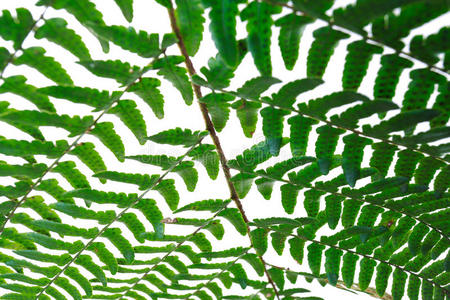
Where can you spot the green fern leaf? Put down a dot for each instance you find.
(332, 265)
(87, 154)
(178, 136)
(144, 181)
(27, 170)
(321, 50)
(218, 108)
(150, 210)
(188, 174)
(367, 267)
(316, 8)
(300, 128)
(76, 179)
(208, 157)
(84, 11)
(91, 97)
(356, 63)
(25, 148)
(177, 76)
(167, 189)
(147, 89)
(391, 29)
(16, 29)
(440, 182)
(190, 20)
(296, 249)
(253, 88)
(441, 103)
(86, 262)
(289, 195)
(402, 121)
(223, 29)
(134, 225)
(122, 72)
(31, 130)
(388, 75)
(259, 28)
(352, 157)
(247, 112)
(55, 293)
(17, 85)
(406, 163)
(126, 6)
(60, 260)
(273, 128)
(326, 145)
(242, 183)
(288, 93)
(350, 118)
(319, 107)
(142, 43)
(398, 284)
(128, 113)
(315, 257)
(349, 261)
(56, 31)
(420, 88)
(382, 157)
(258, 237)
(68, 287)
(35, 57)
(277, 276)
(105, 256)
(4, 57)
(121, 243)
(75, 125)
(278, 242)
(235, 218)
(291, 30)
(103, 217)
(381, 280)
(106, 134)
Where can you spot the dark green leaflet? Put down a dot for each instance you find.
(321, 50)
(356, 63)
(55, 30)
(259, 21)
(223, 29)
(292, 27)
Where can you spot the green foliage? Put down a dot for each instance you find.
(361, 188)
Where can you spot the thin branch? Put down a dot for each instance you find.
(341, 285)
(432, 227)
(70, 148)
(74, 258)
(370, 38)
(212, 132)
(356, 253)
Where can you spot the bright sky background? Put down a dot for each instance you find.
(153, 18)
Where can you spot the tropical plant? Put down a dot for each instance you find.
(362, 170)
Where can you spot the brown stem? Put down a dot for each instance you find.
(212, 132)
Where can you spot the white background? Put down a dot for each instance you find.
(153, 18)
